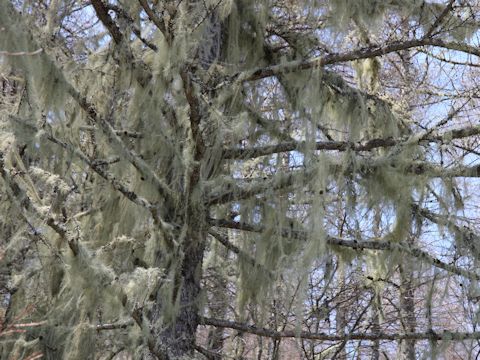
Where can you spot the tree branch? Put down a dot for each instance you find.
(235, 249)
(119, 132)
(252, 329)
(467, 236)
(422, 167)
(20, 196)
(90, 110)
(372, 244)
(139, 164)
(95, 166)
(121, 12)
(21, 53)
(335, 58)
(102, 13)
(440, 18)
(232, 192)
(114, 326)
(159, 23)
(361, 146)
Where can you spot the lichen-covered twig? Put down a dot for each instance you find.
(360, 146)
(335, 58)
(373, 244)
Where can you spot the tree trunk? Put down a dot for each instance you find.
(377, 302)
(176, 340)
(218, 310)
(407, 313)
(340, 316)
(376, 330)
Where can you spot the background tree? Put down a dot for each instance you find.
(264, 169)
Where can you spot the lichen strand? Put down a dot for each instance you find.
(82, 342)
(370, 14)
(353, 115)
(43, 78)
(126, 258)
(282, 241)
(245, 29)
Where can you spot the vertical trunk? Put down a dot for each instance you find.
(407, 313)
(239, 346)
(376, 328)
(176, 340)
(377, 303)
(407, 304)
(215, 342)
(340, 316)
(218, 309)
(275, 350)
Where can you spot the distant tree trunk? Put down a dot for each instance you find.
(340, 317)
(407, 313)
(239, 346)
(377, 302)
(275, 350)
(376, 328)
(215, 342)
(218, 310)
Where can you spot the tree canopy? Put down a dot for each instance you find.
(241, 179)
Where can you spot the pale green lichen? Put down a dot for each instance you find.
(370, 13)
(125, 256)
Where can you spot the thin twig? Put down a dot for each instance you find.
(21, 53)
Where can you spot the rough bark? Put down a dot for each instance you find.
(407, 309)
(340, 317)
(376, 329)
(176, 339)
(218, 309)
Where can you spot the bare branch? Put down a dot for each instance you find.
(107, 21)
(121, 12)
(440, 18)
(159, 23)
(252, 329)
(114, 326)
(21, 53)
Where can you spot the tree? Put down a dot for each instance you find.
(278, 169)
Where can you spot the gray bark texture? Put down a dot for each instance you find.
(407, 309)
(177, 340)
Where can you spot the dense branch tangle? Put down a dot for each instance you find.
(170, 119)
